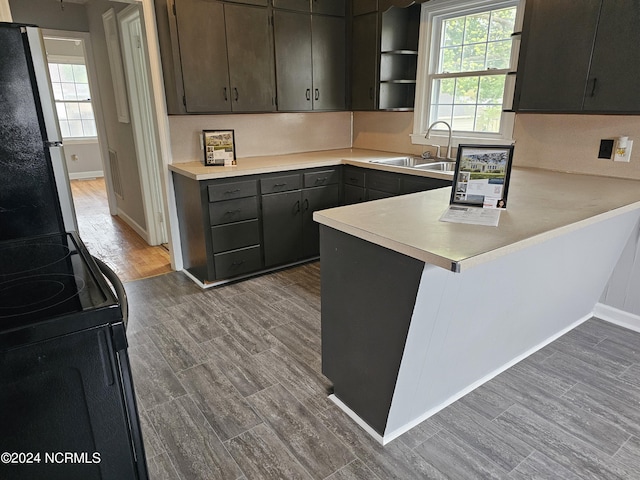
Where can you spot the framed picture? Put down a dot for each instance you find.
(219, 147)
(482, 175)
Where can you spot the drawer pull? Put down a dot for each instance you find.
(237, 263)
(306, 204)
(229, 192)
(278, 185)
(353, 179)
(232, 212)
(321, 180)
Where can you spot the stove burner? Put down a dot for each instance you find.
(24, 258)
(27, 295)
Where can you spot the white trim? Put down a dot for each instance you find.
(354, 416)
(616, 316)
(133, 224)
(143, 120)
(426, 63)
(80, 140)
(86, 175)
(115, 64)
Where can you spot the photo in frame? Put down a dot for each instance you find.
(219, 147)
(482, 175)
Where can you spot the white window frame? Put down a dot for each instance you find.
(428, 54)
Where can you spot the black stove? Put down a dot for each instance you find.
(45, 279)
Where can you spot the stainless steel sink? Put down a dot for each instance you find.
(402, 161)
(438, 166)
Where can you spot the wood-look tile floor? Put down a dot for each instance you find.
(110, 238)
(229, 387)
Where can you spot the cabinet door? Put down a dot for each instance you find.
(364, 6)
(556, 49)
(328, 54)
(364, 62)
(615, 64)
(251, 73)
(314, 199)
(292, 33)
(329, 7)
(281, 227)
(203, 55)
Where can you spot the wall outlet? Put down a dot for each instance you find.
(623, 154)
(606, 149)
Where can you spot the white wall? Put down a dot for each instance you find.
(83, 158)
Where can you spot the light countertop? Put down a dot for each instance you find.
(296, 161)
(542, 204)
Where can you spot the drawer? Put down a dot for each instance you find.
(318, 179)
(421, 184)
(235, 235)
(237, 262)
(228, 191)
(233, 210)
(354, 176)
(378, 194)
(384, 182)
(280, 184)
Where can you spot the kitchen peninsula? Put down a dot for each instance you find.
(417, 312)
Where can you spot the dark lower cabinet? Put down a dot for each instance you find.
(282, 227)
(313, 199)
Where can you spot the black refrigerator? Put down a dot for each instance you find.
(67, 401)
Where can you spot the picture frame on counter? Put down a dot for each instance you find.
(219, 147)
(482, 176)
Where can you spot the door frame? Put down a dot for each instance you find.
(101, 129)
(133, 42)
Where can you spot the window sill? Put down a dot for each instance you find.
(79, 140)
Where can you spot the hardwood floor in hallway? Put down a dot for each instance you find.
(110, 238)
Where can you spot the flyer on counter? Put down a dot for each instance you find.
(471, 215)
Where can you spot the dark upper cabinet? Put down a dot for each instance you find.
(615, 64)
(297, 5)
(216, 40)
(329, 7)
(310, 61)
(579, 56)
(360, 7)
(364, 62)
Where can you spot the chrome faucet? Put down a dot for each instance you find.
(426, 135)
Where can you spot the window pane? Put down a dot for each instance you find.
(64, 128)
(466, 90)
(73, 111)
(488, 118)
(89, 128)
(53, 72)
(82, 90)
(86, 112)
(452, 31)
(502, 22)
(57, 91)
(491, 89)
(450, 59)
(80, 74)
(477, 28)
(442, 113)
(69, 91)
(473, 57)
(75, 128)
(499, 54)
(62, 111)
(463, 117)
(445, 89)
(66, 72)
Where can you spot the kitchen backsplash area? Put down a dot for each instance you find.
(571, 142)
(263, 133)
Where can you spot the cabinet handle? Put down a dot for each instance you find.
(297, 207)
(353, 179)
(308, 95)
(370, 93)
(593, 87)
(306, 204)
(232, 212)
(237, 263)
(278, 185)
(317, 96)
(226, 98)
(321, 180)
(235, 92)
(229, 192)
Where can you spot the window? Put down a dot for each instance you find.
(467, 49)
(70, 86)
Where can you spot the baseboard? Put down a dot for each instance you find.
(86, 175)
(617, 316)
(354, 416)
(133, 224)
